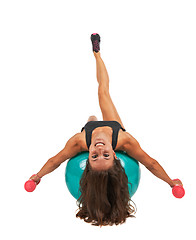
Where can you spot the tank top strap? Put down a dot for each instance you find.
(115, 137)
(116, 130)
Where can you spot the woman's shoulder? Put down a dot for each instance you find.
(81, 140)
(124, 138)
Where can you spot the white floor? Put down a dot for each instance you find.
(48, 90)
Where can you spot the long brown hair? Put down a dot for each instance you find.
(104, 198)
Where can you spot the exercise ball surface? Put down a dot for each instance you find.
(76, 165)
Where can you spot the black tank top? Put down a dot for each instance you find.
(90, 126)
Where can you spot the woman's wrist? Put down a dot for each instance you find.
(38, 175)
(171, 183)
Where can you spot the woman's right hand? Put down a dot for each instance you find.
(177, 182)
(178, 190)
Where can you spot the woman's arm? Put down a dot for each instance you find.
(134, 150)
(71, 148)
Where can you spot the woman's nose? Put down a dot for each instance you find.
(100, 148)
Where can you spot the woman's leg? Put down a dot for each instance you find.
(92, 118)
(108, 109)
(102, 74)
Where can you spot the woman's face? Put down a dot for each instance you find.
(101, 154)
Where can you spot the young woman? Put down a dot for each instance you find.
(104, 196)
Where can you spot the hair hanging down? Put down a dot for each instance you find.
(105, 198)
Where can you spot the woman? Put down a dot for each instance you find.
(104, 196)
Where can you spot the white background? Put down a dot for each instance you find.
(48, 90)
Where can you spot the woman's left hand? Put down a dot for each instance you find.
(35, 178)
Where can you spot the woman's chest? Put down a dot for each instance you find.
(121, 140)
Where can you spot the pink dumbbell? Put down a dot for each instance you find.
(30, 185)
(178, 190)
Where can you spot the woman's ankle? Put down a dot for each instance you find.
(97, 54)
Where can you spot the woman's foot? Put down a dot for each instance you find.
(95, 38)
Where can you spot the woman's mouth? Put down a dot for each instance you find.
(99, 144)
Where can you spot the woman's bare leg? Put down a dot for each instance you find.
(108, 109)
(92, 118)
(102, 74)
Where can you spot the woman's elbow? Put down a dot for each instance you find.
(54, 162)
(152, 164)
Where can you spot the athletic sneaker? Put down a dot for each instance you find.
(95, 38)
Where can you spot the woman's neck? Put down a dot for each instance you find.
(102, 133)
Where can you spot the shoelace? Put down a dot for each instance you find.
(96, 45)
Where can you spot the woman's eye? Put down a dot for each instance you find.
(106, 155)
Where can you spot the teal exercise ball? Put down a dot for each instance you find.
(76, 165)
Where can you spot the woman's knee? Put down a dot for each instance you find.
(103, 90)
(92, 118)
